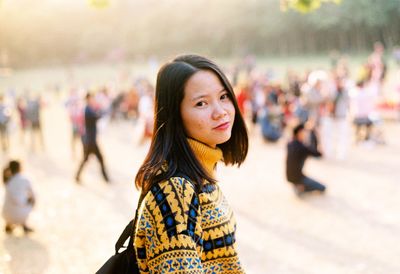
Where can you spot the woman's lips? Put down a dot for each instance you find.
(222, 126)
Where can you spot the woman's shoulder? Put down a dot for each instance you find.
(177, 184)
(172, 189)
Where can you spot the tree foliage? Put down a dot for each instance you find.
(99, 3)
(304, 6)
(43, 32)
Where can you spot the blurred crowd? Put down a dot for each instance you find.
(22, 112)
(28, 109)
(339, 108)
(335, 106)
(331, 101)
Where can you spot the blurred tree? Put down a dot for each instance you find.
(358, 23)
(99, 3)
(304, 5)
(63, 32)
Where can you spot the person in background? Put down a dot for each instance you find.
(5, 117)
(19, 198)
(363, 104)
(270, 119)
(89, 139)
(146, 114)
(74, 106)
(377, 64)
(33, 114)
(340, 114)
(23, 120)
(297, 153)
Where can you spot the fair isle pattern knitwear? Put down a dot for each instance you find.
(179, 231)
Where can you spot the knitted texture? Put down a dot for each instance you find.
(180, 231)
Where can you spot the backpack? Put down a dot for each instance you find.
(125, 262)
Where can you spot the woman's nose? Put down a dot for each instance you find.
(219, 111)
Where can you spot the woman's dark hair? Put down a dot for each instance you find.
(169, 146)
(13, 168)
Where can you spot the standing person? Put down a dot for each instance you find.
(185, 224)
(146, 114)
(89, 139)
(5, 116)
(297, 153)
(313, 94)
(363, 104)
(33, 111)
(340, 113)
(23, 120)
(377, 64)
(243, 98)
(19, 198)
(74, 105)
(131, 103)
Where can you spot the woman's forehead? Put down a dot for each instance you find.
(203, 82)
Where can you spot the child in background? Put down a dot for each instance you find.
(19, 198)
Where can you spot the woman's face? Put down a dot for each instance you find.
(206, 109)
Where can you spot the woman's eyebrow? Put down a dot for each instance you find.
(200, 97)
(205, 95)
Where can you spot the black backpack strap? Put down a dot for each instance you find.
(124, 236)
(129, 231)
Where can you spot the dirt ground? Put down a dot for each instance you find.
(352, 229)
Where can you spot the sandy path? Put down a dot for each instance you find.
(352, 229)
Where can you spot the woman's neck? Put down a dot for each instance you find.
(206, 155)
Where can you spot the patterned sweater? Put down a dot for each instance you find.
(179, 231)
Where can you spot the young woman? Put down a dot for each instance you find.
(19, 198)
(185, 224)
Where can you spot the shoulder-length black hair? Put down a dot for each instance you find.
(169, 146)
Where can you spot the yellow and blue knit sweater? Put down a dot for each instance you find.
(180, 231)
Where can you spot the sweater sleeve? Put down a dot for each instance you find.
(173, 240)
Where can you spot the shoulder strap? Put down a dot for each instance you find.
(124, 235)
(130, 230)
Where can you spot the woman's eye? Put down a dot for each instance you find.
(224, 96)
(200, 104)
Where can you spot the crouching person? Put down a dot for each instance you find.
(297, 153)
(19, 198)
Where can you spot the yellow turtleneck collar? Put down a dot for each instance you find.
(207, 155)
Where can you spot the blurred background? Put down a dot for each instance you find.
(333, 65)
(56, 32)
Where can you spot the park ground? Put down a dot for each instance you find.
(353, 228)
